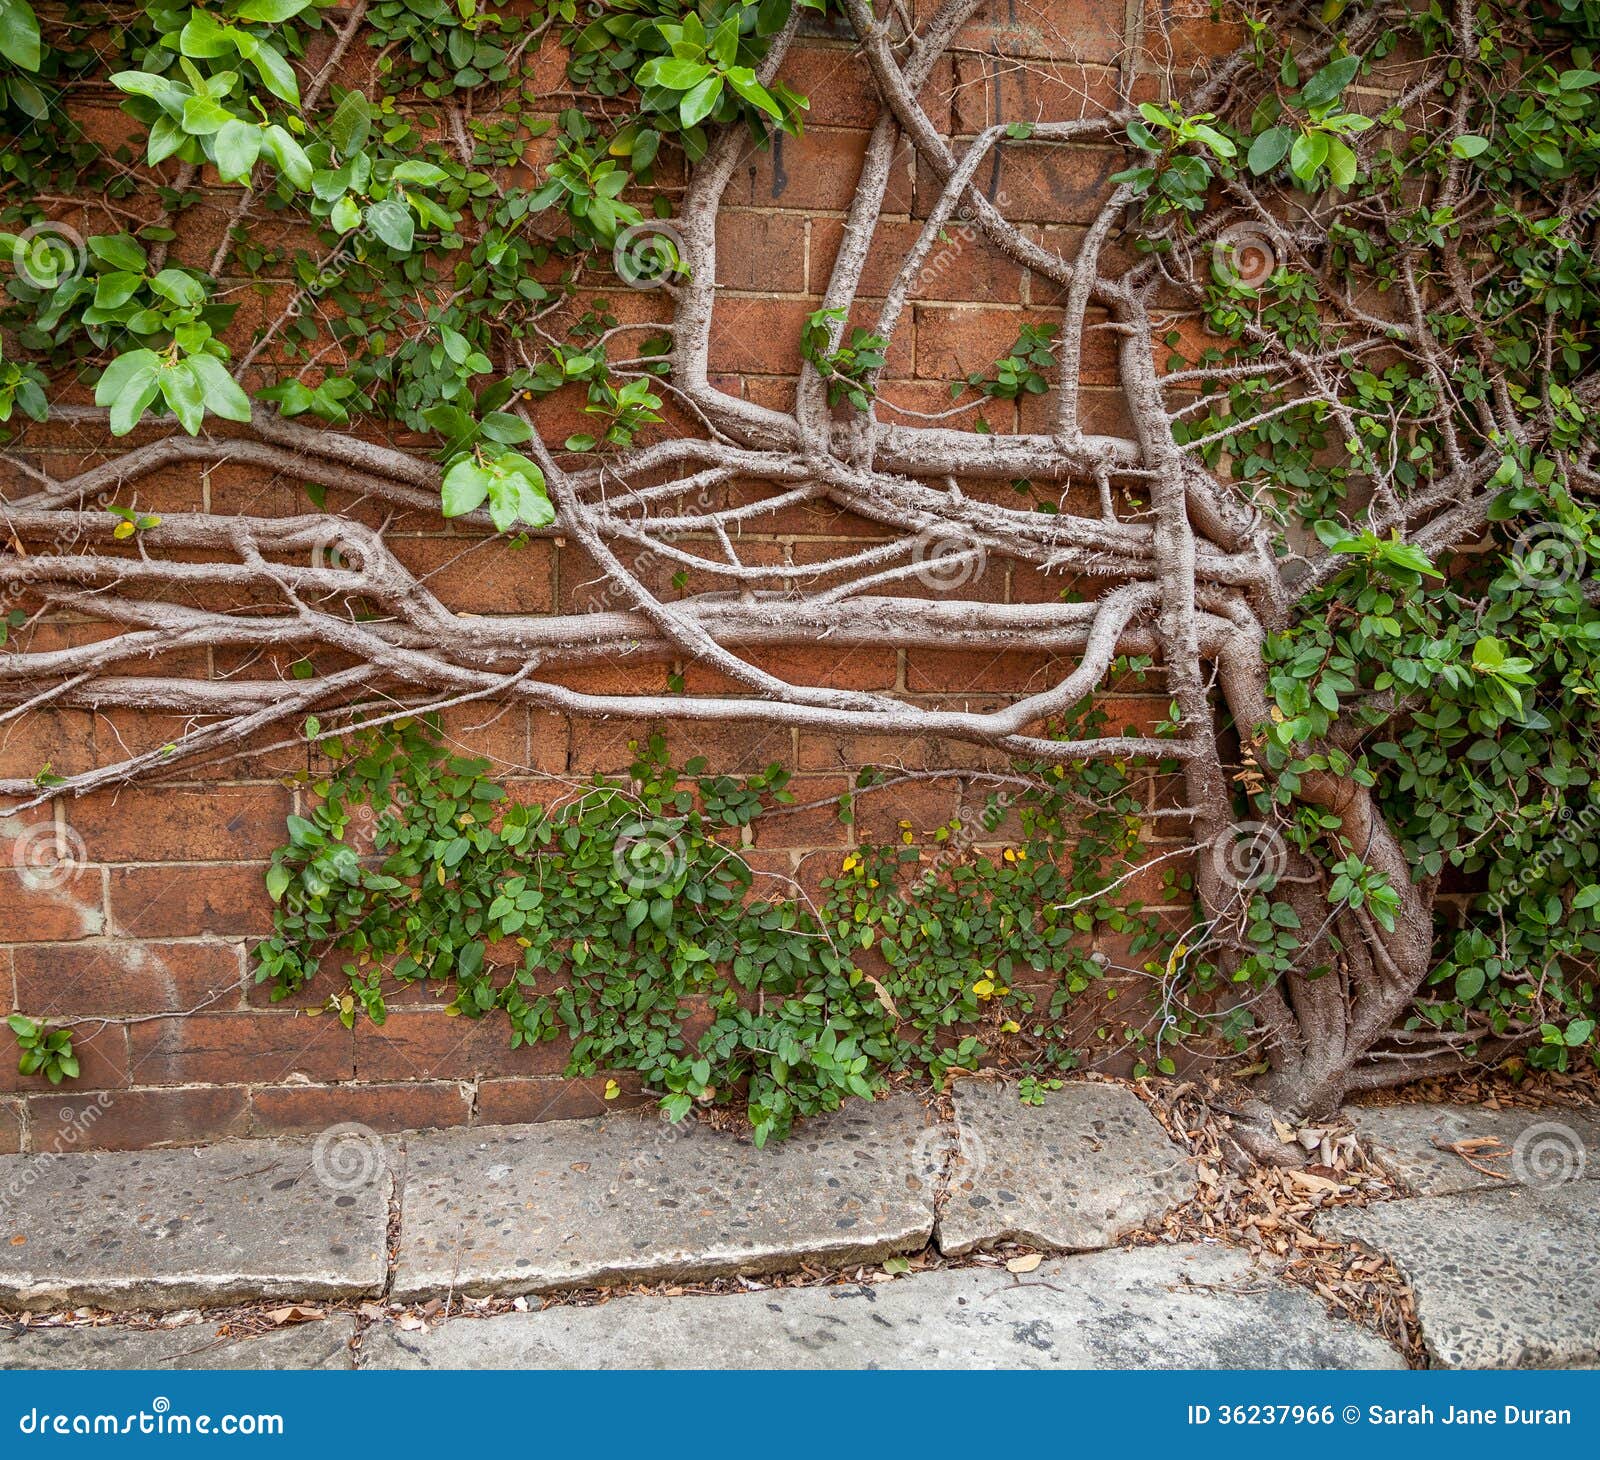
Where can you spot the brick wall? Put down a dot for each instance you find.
(133, 912)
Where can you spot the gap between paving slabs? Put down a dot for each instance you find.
(473, 1234)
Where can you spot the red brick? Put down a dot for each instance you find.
(134, 1120)
(482, 575)
(760, 336)
(521, 1102)
(182, 823)
(122, 977)
(256, 1047)
(10, 1127)
(304, 1109)
(761, 252)
(814, 826)
(101, 1050)
(926, 805)
(45, 905)
(422, 1044)
(176, 901)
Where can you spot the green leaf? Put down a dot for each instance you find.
(276, 74)
(1309, 152)
(128, 386)
(391, 220)
(1326, 85)
(698, 103)
(182, 392)
(223, 397)
(1469, 144)
(1587, 897)
(236, 148)
(465, 486)
(19, 34)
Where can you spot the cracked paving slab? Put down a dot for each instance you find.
(158, 1230)
(1504, 1279)
(1539, 1147)
(1196, 1306)
(324, 1344)
(525, 1209)
(1088, 1166)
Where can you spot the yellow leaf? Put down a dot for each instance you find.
(1026, 1263)
(613, 1089)
(1011, 1027)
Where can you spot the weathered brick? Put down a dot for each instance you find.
(118, 976)
(806, 825)
(761, 251)
(177, 901)
(183, 823)
(134, 1120)
(51, 903)
(520, 1102)
(482, 575)
(255, 1047)
(421, 1044)
(10, 1127)
(293, 1110)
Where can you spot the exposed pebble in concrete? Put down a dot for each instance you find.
(324, 1344)
(565, 1204)
(1534, 1147)
(1149, 1308)
(1504, 1279)
(243, 1220)
(1075, 1173)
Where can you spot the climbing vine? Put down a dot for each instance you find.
(1346, 528)
(616, 916)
